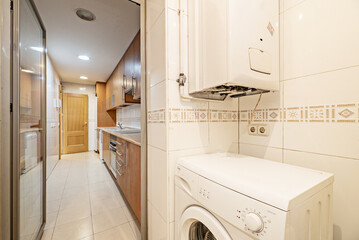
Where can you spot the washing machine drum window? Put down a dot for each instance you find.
(199, 231)
(199, 224)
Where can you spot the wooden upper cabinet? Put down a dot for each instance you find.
(137, 66)
(123, 88)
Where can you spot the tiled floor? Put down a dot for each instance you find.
(84, 203)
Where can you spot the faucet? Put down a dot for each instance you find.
(120, 124)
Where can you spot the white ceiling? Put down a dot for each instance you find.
(104, 40)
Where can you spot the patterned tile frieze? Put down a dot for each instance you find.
(178, 115)
(156, 116)
(339, 113)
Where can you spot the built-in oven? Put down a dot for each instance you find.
(113, 151)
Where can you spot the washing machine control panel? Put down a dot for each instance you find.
(247, 214)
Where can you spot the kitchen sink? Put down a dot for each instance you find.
(127, 131)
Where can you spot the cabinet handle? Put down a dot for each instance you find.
(123, 88)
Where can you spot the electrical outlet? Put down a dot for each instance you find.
(258, 129)
(263, 130)
(253, 129)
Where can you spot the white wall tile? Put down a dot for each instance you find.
(269, 153)
(223, 137)
(319, 36)
(156, 98)
(338, 139)
(158, 180)
(286, 4)
(346, 195)
(174, 4)
(156, 52)
(153, 10)
(328, 88)
(157, 135)
(157, 227)
(174, 100)
(273, 140)
(173, 44)
(183, 136)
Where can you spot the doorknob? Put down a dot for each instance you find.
(85, 124)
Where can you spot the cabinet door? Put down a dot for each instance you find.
(105, 149)
(119, 84)
(137, 67)
(128, 68)
(134, 169)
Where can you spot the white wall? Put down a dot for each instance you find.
(89, 90)
(52, 125)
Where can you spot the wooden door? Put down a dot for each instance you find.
(75, 120)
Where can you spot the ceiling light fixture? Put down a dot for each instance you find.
(85, 14)
(27, 71)
(84, 77)
(84, 57)
(37, 49)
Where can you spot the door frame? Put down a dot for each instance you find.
(65, 123)
(15, 117)
(144, 157)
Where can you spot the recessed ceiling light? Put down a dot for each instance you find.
(84, 77)
(37, 49)
(27, 71)
(85, 14)
(84, 57)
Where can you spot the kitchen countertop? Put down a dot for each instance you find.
(134, 138)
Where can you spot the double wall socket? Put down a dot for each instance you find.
(258, 129)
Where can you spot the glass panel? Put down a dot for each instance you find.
(31, 161)
(199, 231)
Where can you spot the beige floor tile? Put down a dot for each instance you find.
(109, 219)
(73, 214)
(83, 199)
(101, 205)
(122, 232)
(47, 235)
(50, 220)
(135, 230)
(74, 230)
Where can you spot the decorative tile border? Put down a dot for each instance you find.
(339, 113)
(156, 116)
(178, 115)
(201, 115)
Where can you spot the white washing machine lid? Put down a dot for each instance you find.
(195, 214)
(280, 185)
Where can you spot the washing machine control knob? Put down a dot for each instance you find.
(254, 222)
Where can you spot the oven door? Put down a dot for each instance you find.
(113, 160)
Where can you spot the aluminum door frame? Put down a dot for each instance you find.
(15, 118)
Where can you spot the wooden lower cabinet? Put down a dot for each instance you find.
(129, 176)
(128, 157)
(105, 148)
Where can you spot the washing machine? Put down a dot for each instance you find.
(237, 197)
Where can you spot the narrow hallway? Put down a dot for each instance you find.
(83, 202)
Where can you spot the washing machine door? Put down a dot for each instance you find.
(198, 224)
